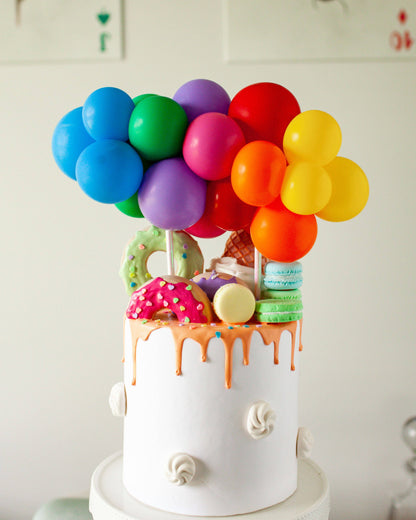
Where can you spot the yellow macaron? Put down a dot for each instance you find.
(234, 303)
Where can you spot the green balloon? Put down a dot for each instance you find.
(157, 128)
(137, 99)
(130, 207)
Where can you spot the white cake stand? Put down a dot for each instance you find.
(110, 501)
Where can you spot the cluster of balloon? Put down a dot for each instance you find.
(290, 171)
(208, 164)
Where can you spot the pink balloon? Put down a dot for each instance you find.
(204, 228)
(211, 143)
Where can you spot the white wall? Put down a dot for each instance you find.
(61, 301)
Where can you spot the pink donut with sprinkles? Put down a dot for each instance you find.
(179, 295)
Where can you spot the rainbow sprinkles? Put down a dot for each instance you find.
(174, 293)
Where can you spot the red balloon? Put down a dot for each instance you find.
(204, 228)
(263, 111)
(281, 235)
(225, 209)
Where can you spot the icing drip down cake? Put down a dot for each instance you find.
(211, 355)
(223, 416)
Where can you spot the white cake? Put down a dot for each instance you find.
(209, 396)
(210, 424)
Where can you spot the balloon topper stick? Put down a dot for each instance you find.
(169, 252)
(257, 273)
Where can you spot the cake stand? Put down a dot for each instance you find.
(110, 501)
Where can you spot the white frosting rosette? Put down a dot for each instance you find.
(260, 420)
(181, 469)
(304, 443)
(118, 400)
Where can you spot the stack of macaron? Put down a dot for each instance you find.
(281, 298)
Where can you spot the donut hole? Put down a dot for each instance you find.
(165, 315)
(157, 263)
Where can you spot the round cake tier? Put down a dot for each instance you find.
(211, 416)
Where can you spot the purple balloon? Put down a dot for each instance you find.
(200, 96)
(171, 195)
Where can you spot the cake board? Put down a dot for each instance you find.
(110, 501)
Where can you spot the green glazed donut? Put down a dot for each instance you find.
(188, 257)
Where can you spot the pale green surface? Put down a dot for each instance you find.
(64, 509)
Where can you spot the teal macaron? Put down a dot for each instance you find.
(280, 276)
(281, 307)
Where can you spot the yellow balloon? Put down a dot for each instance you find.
(350, 190)
(312, 136)
(306, 188)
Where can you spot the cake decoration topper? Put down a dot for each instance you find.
(184, 297)
(134, 271)
(202, 163)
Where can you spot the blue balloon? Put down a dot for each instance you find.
(69, 139)
(109, 171)
(106, 114)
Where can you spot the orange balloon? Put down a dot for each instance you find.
(281, 235)
(257, 173)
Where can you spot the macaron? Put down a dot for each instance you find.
(234, 303)
(274, 294)
(282, 276)
(283, 307)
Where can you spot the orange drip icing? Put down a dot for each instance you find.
(276, 351)
(272, 333)
(246, 351)
(204, 349)
(202, 335)
(228, 364)
(135, 335)
(179, 349)
(300, 335)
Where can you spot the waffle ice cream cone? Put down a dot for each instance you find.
(240, 246)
